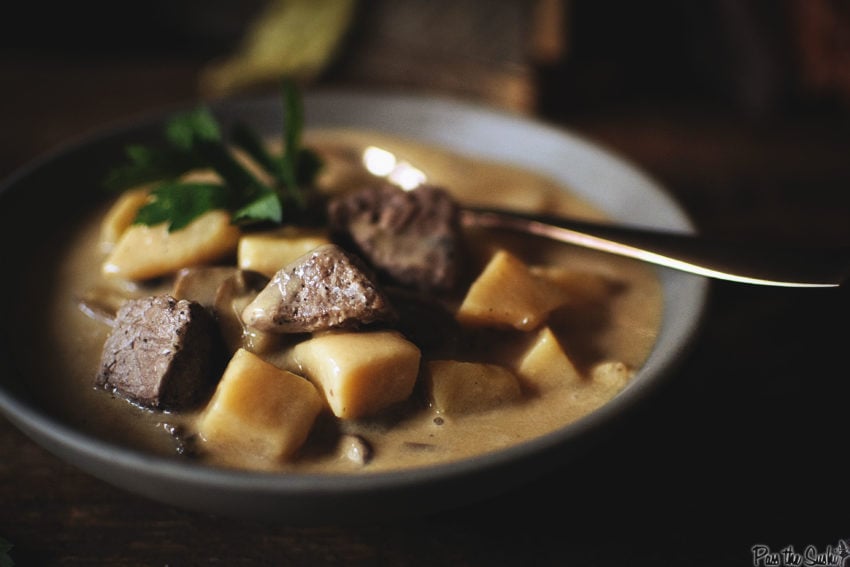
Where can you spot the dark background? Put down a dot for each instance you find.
(740, 108)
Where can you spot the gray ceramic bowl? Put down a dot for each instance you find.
(628, 195)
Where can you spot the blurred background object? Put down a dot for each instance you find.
(757, 56)
(288, 38)
(468, 48)
(823, 34)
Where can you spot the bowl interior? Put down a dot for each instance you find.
(594, 173)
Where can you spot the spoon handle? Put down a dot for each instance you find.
(744, 262)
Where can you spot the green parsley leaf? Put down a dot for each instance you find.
(194, 140)
(178, 204)
(146, 165)
(297, 166)
(250, 142)
(243, 184)
(307, 167)
(292, 125)
(185, 129)
(266, 207)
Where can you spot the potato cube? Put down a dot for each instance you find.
(544, 365)
(611, 376)
(267, 252)
(508, 294)
(456, 387)
(360, 373)
(120, 216)
(145, 252)
(259, 410)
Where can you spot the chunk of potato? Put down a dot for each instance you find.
(611, 376)
(145, 252)
(269, 251)
(120, 216)
(544, 364)
(605, 380)
(507, 294)
(457, 387)
(259, 411)
(360, 373)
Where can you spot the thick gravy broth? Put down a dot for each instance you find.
(623, 329)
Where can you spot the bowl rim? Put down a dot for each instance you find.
(90, 453)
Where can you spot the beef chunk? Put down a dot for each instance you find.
(412, 237)
(326, 288)
(160, 353)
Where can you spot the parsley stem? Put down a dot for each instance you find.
(244, 183)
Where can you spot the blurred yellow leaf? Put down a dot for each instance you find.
(293, 38)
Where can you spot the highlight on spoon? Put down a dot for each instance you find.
(808, 269)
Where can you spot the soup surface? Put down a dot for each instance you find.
(621, 329)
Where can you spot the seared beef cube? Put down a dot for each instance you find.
(160, 353)
(323, 289)
(412, 237)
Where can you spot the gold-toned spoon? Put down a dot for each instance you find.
(760, 263)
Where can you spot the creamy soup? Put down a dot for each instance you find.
(618, 331)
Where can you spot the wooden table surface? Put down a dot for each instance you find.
(746, 444)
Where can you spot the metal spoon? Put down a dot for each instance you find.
(744, 262)
(751, 263)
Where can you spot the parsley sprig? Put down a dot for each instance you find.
(194, 140)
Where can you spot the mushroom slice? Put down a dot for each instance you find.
(233, 294)
(201, 283)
